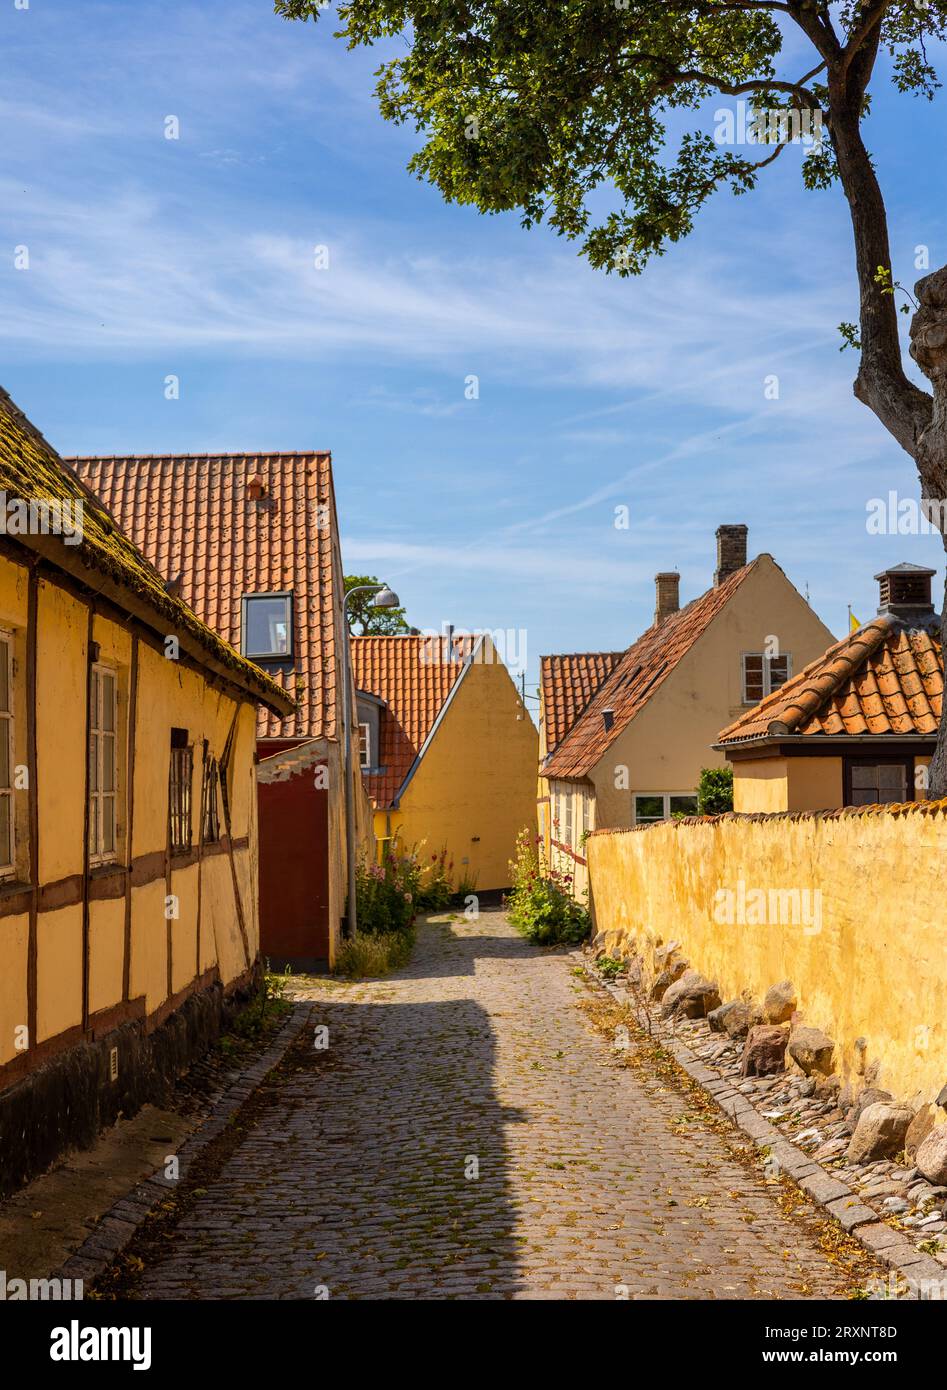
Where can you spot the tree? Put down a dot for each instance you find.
(537, 106)
(375, 622)
(715, 791)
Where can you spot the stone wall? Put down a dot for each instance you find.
(849, 906)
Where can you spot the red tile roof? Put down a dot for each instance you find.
(31, 469)
(642, 670)
(882, 679)
(192, 517)
(568, 683)
(414, 679)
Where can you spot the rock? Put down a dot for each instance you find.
(932, 1156)
(780, 1003)
(764, 1051)
(895, 1204)
(879, 1132)
(919, 1128)
(812, 1050)
(667, 978)
(827, 1088)
(869, 1096)
(807, 1087)
(732, 1019)
(692, 996)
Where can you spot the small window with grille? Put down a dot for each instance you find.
(182, 767)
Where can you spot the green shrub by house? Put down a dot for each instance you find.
(541, 906)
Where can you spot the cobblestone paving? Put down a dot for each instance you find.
(354, 1179)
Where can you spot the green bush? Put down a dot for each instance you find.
(435, 892)
(541, 906)
(715, 791)
(373, 953)
(386, 894)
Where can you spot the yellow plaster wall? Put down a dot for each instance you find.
(58, 971)
(761, 785)
(61, 751)
(169, 694)
(875, 969)
(477, 779)
(106, 952)
(14, 944)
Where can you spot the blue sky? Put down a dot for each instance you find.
(194, 257)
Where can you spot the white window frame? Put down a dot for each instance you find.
(666, 803)
(8, 851)
(568, 829)
(365, 757)
(767, 676)
(98, 795)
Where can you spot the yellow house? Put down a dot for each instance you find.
(447, 749)
(859, 725)
(128, 848)
(633, 753)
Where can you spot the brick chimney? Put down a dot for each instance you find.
(667, 596)
(731, 552)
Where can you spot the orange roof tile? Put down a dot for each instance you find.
(568, 683)
(642, 670)
(31, 469)
(882, 679)
(414, 676)
(193, 516)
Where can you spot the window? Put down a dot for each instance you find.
(873, 784)
(267, 626)
(211, 830)
(650, 808)
(6, 753)
(103, 701)
(365, 745)
(179, 788)
(763, 674)
(586, 812)
(567, 820)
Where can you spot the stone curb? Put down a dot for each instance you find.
(835, 1198)
(115, 1229)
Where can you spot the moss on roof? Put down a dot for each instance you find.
(31, 469)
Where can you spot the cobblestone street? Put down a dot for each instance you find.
(357, 1175)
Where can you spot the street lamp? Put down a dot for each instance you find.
(384, 598)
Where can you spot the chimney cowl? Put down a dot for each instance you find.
(608, 719)
(667, 595)
(905, 593)
(731, 551)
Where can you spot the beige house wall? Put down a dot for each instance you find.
(665, 746)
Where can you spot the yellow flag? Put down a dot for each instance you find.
(853, 623)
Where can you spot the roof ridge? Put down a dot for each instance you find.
(658, 651)
(229, 454)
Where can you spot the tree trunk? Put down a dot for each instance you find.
(929, 350)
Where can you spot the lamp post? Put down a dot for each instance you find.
(384, 598)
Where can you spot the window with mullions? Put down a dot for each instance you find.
(763, 674)
(266, 631)
(650, 808)
(211, 799)
(103, 722)
(179, 791)
(7, 836)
